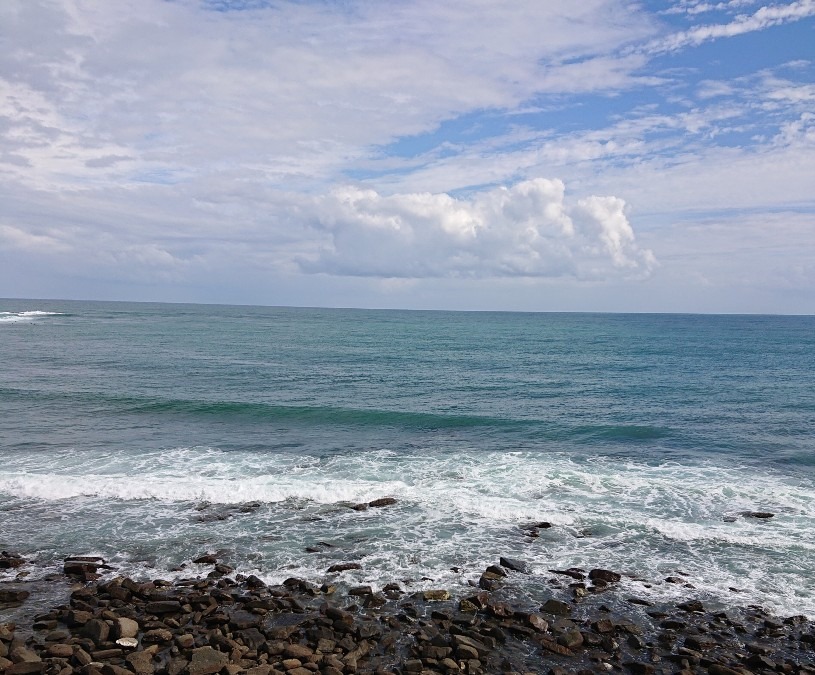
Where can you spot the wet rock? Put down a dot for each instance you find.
(762, 515)
(383, 501)
(10, 560)
(436, 595)
(556, 607)
(13, 596)
(604, 575)
(206, 559)
(573, 572)
(343, 567)
(691, 606)
(514, 565)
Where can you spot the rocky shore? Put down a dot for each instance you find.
(229, 624)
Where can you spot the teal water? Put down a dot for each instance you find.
(151, 433)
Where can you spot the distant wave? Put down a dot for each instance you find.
(341, 416)
(30, 315)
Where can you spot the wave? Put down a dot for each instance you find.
(29, 315)
(260, 412)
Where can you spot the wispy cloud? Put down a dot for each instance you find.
(764, 17)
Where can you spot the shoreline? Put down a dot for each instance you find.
(231, 624)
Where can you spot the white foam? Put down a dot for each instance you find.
(458, 509)
(29, 315)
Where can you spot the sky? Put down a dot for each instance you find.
(532, 155)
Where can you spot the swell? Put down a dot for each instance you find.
(260, 413)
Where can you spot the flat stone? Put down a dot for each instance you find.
(60, 651)
(297, 652)
(206, 661)
(141, 662)
(21, 654)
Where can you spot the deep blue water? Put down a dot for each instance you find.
(130, 429)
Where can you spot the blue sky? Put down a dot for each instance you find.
(606, 155)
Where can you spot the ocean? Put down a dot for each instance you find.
(150, 434)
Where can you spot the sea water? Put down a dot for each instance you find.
(152, 433)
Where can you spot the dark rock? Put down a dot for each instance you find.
(383, 501)
(604, 575)
(96, 630)
(514, 565)
(360, 590)
(757, 514)
(141, 662)
(691, 606)
(13, 595)
(163, 607)
(342, 567)
(639, 601)
(10, 560)
(556, 607)
(206, 559)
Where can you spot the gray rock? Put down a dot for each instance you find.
(206, 661)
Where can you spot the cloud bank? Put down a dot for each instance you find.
(523, 231)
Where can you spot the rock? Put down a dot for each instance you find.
(604, 575)
(343, 567)
(60, 651)
(361, 590)
(97, 630)
(757, 514)
(21, 654)
(206, 559)
(538, 622)
(436, 595)
(556, 607)
(691, 606)
(639, 601)
(157, 635)
(514, 565)
(13, 595)
(128, 642)
(297, 652)
(25, 668)
(10, 560)
(206, 661)
(125, 628)
(360, 507)
(163, 607)
(141, 662)
(382, 501)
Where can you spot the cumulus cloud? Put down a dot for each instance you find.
(526, 230)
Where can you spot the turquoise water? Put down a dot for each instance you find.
(151, 433)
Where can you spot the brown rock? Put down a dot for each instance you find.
(383, 501)
(21, 654)
(604, 575)
(297, 652)
(206, 661)
(60, 651)
(141, 662)
(436, 595)
(556, 607)
(125, 628)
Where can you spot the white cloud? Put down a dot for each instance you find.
(523, 231)
(764, 17)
